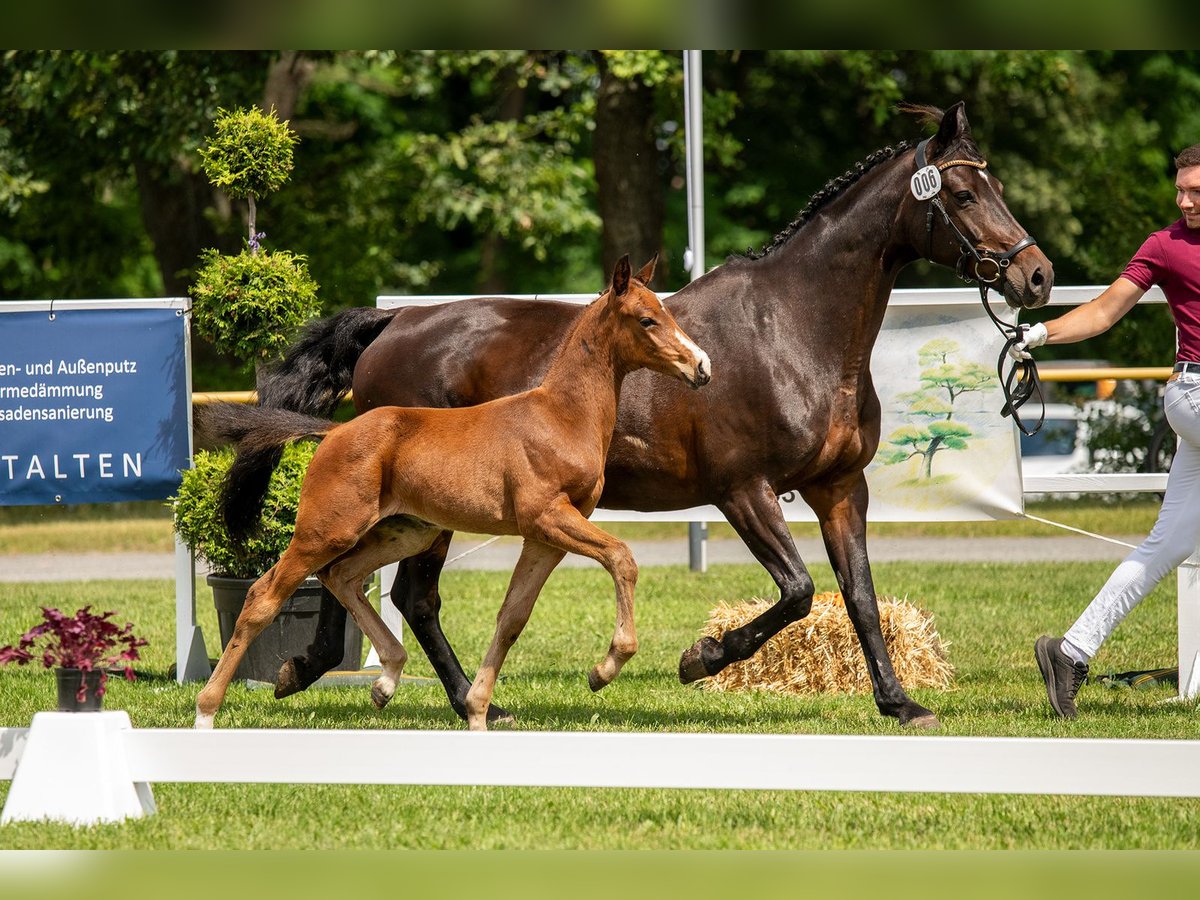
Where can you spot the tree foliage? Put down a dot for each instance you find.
(452, 171)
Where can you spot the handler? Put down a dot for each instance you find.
(1171, 259)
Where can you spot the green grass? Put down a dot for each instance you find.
(989, 614)
(146, 527)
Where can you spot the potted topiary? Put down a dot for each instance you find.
(235, 566)
(248, 306)
(81, 648)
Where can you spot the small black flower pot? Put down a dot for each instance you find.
(68, 690)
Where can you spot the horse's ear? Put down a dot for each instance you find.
(954, 125)
(647, 272)
(621, 276)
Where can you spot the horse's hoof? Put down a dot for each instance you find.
(691, 663)
(929, 722)
(595, 682)
(288, 681)
(379, 696)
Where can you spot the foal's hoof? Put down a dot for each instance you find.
(380, 695)
(498, 715)
(692, 666)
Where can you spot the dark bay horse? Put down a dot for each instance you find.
(790, 330)
(383, 486)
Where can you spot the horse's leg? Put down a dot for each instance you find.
(263, 602)
(415, 593)
(841, 508)
(325, 652)
(753, 511)
(536, 563)
(563, 526)
(345, 576)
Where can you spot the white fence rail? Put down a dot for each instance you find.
(94, 767)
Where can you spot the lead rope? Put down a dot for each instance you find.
(486, 543)
(1186, 564)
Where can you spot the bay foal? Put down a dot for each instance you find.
(383, 486)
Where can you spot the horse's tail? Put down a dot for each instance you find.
(260, 435)
(316, 371)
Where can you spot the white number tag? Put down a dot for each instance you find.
(926, 183)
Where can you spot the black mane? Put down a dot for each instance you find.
(825, 195)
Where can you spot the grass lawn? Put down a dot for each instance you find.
(989, 614)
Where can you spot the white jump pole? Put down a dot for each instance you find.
(693, 103)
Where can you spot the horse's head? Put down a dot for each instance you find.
(957, 216)
(647, 334)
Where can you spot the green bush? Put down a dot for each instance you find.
(198, 519)
(250, 304)
(250, 154)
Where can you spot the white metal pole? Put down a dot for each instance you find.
(694, 257)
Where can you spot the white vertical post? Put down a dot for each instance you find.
(387, 610)
(693, 102)
(191, 656)
(1188, 605)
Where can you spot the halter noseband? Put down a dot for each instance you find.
(1022, 381)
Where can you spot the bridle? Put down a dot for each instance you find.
(987, 269)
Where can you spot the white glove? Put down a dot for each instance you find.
(1031, 336)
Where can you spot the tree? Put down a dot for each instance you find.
(943, 383)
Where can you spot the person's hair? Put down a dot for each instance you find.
(1188, 157)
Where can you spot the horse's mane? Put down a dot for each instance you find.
(834, 188)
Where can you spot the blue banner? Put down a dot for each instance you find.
(93, 405)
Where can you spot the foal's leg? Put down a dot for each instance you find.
(263, 602)
(565, 527)
(753, 511)
(345, 576)
(534, 566)
(841, 508)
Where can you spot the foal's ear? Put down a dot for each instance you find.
(646, 275)
(621, 276)
(954, 125)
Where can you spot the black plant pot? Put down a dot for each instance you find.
(68, 690)
(291, 634)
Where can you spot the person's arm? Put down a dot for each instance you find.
(1092, 318)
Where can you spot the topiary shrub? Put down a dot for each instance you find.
(248, 305)
(199, 524)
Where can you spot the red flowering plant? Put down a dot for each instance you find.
(83, 641)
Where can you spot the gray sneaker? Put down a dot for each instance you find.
(1062, 675)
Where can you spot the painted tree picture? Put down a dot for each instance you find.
(943, 382)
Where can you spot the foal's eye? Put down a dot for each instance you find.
(964, 196)
(647, 322)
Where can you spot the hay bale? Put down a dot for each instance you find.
(821, 654)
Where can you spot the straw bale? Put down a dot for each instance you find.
(821, 654)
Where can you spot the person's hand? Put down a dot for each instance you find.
(1031, 336)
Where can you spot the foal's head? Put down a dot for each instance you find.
(647, 335)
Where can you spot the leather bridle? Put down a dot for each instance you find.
(987, 269)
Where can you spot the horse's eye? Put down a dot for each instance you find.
(964, 196)
(648, 322)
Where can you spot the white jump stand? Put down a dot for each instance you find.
(1188, 585)
(73, 769)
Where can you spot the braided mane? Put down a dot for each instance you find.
(834, 188)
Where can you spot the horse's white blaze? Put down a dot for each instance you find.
(702, 363)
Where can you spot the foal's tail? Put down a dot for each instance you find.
(316, 371)
(260, 435)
